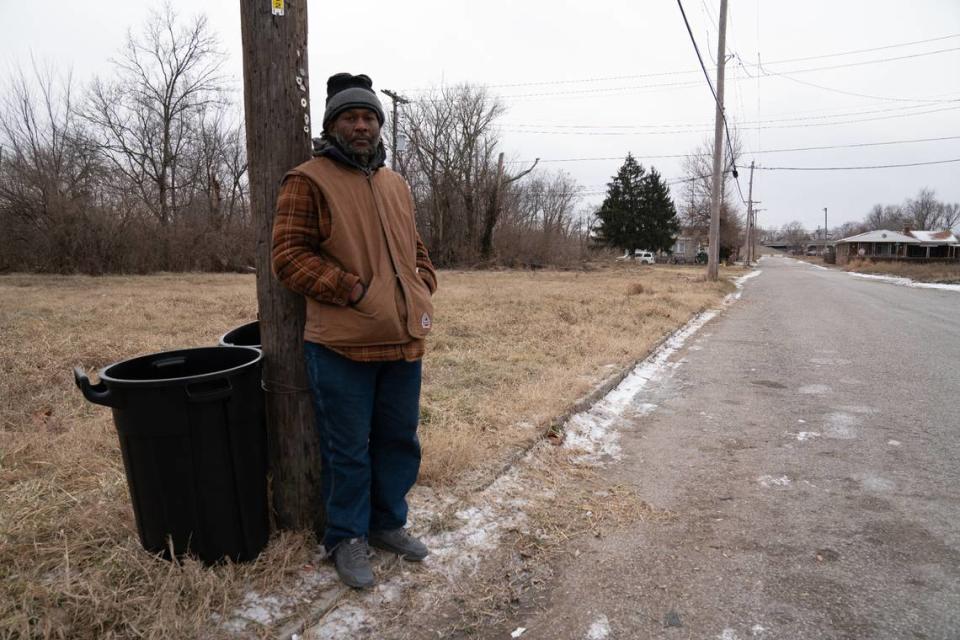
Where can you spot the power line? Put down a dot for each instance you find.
(856, 51)
(702, 129)
(765, 72)
(689, 71)
(716, 100)
(875, 166)
(878, 60)
(742, 123)
(687, 155)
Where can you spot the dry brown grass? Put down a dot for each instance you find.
(947, 273)
(511, 351)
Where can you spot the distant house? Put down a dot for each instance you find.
(907, 245)
(687, 244)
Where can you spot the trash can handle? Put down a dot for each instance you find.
(97, 394)
(209, 391)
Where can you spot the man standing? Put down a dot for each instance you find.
(344, 237)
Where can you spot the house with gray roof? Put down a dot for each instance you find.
(906, 245)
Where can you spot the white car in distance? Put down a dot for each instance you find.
(645, 257)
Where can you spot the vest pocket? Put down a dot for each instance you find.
(368, 303)
(419, 306)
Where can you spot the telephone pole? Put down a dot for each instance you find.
(750, 217)
(824, 249)
(397, 99)
(276, 99)
(713, 260)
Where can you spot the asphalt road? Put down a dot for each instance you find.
(808, 449)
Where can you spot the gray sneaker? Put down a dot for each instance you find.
(352, 560)
(400, 542)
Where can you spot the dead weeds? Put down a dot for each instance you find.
(511, 351)
(940, 272)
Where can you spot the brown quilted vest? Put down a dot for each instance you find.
(373, 235)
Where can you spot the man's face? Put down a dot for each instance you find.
(358, 132)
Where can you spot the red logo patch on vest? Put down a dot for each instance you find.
(425, 321)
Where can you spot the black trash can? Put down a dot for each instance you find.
(193, 438)
(246, 335)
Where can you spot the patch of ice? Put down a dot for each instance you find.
(803, 436)
(842, 426)
(343, 622)
(770, 481)
(594, 431)
(893, 443)
(801, 421)
(753, 274)
(460, 549)
(876, 483)
(906, 282)
(259, 608)
(814, 389)
(599, 630)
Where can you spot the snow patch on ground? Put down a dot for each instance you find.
(876, 483)
(906, 282)
(594, 431)
(343, 622)
(458, 550)
(728, 634)
(803, 436)
(842, 426)
(893, 443)
(814, 389)
(770, 481)
(738, 283)
(266, 610)
(599, 630)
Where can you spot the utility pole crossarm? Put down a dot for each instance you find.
(397, 100)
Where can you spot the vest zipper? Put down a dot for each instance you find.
(393, 260)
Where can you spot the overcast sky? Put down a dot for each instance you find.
(597, 79)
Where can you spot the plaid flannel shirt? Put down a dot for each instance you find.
(302, 222)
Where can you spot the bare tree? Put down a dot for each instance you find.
(924, 211)
(795, 236)
(148, 114)
(48, 173)
(696, 190)
(450, 165)
(886, 217)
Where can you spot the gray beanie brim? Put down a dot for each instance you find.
(352, 98)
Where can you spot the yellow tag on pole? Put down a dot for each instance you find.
(277, 7)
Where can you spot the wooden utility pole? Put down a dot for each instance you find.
(750, 217)
(397, 99)
(823, 250)
(277, 104)
(713, 258)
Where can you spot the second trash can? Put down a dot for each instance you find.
(246, 335)
(193, 439)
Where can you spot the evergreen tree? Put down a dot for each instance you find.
(638, 212)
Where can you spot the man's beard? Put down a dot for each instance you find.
(364, 157)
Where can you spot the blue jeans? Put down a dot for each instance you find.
(366, 415)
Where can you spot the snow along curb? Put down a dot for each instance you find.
(593, 430)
